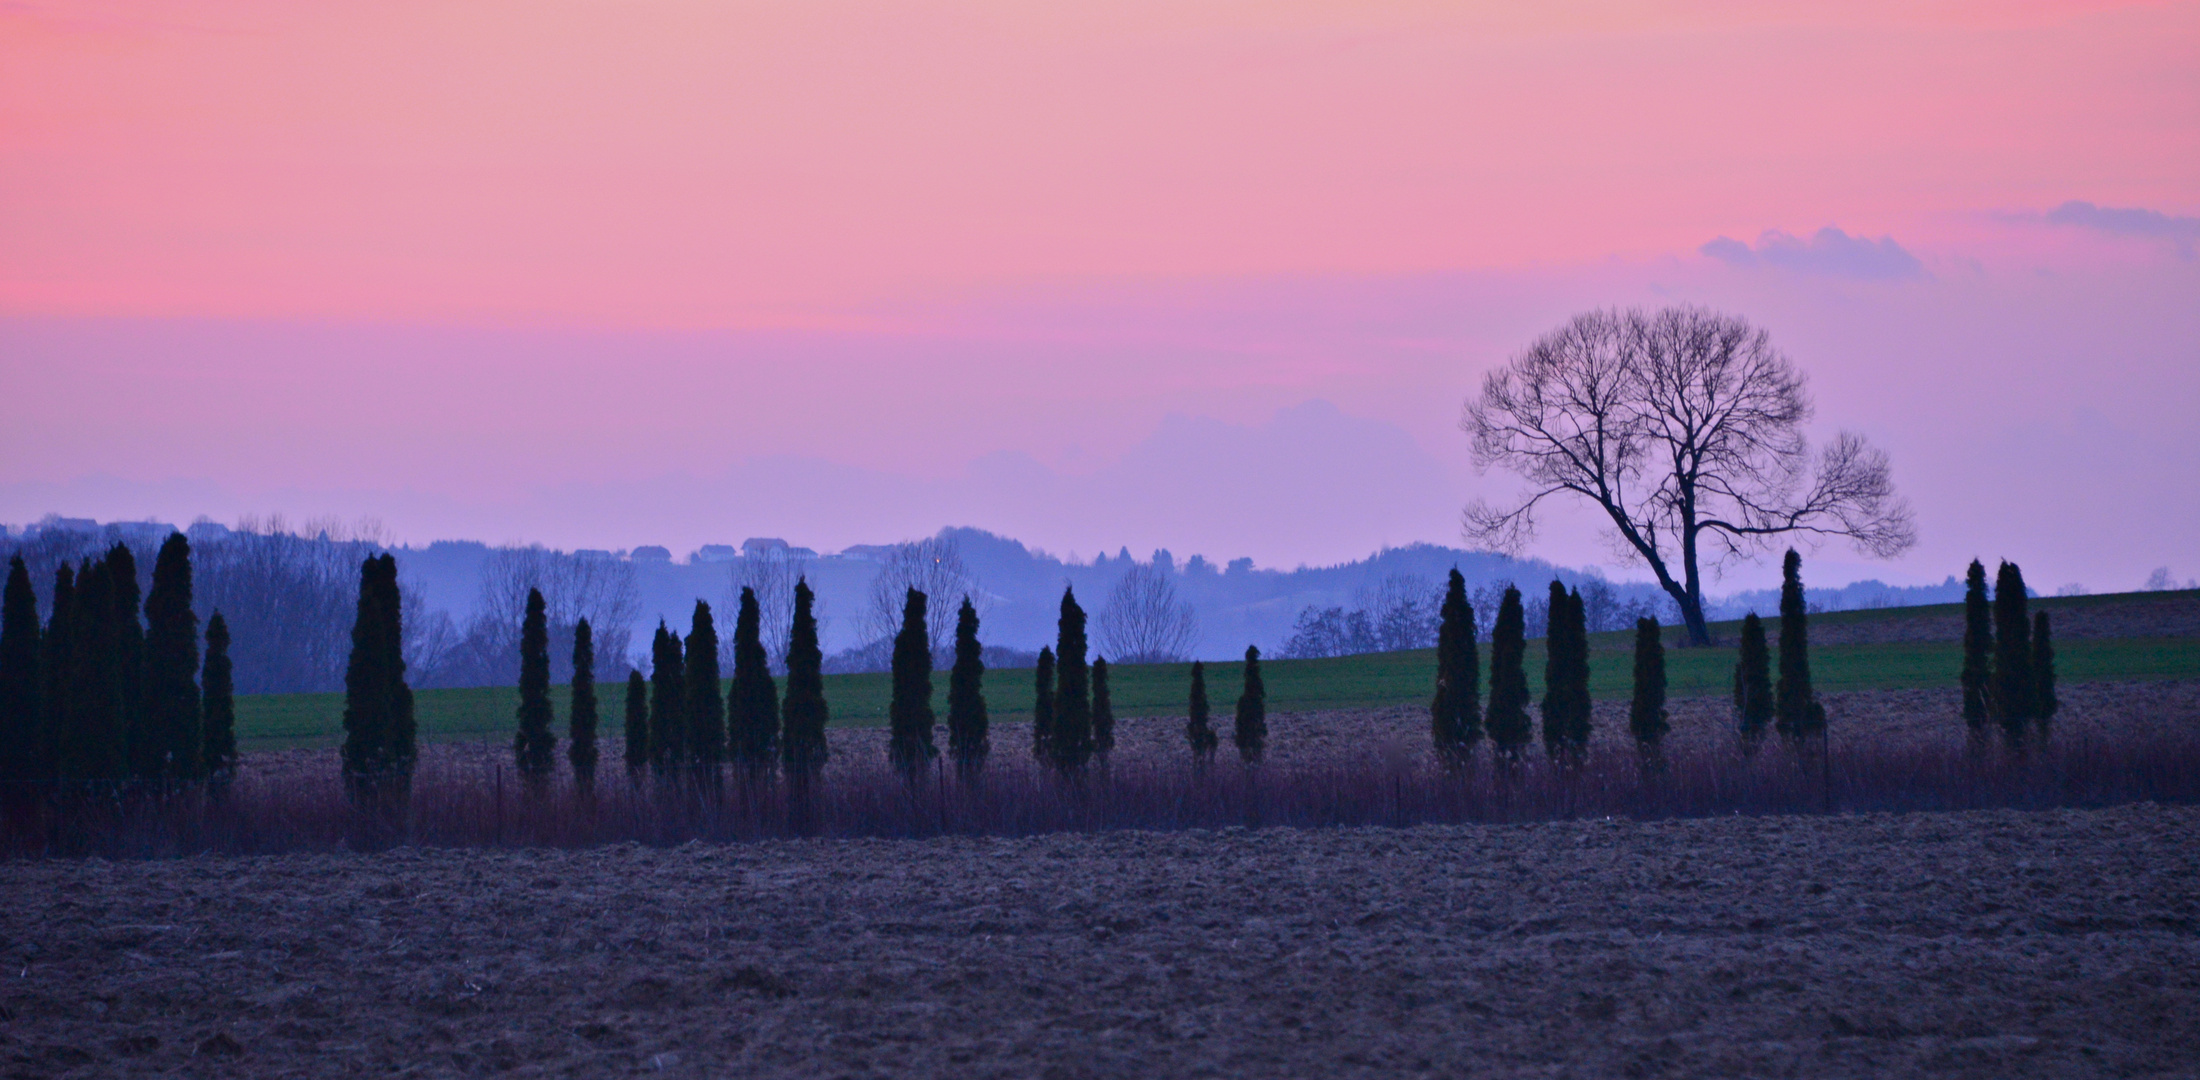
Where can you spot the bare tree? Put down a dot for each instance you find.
(289, 597)
(772, 573)
(574, 587)
(1144, 622)
(1403, 611)
(1686, 428)
(934, 567)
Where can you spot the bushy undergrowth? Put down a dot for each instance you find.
(459, 804)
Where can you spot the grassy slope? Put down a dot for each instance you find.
(275, 720)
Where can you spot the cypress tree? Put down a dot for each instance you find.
(704, 698)
(637, 722)
(20, 729)
(1071, 746)
(668, 713)
(218, 698)
(580, 719)
(371, 752)
(1042, 703)
(534, 748)
(1508, 722)
(1455, 718)
(2044, 702)
(1796, 711)
(124, 656)
(1251, 729)
(1198, 727)
(1978, 646)
(90, 741)
(1103, 709)
(56, 664)
(2012, 685)
(173, 717)
(804, 748)
(910, 713)
(1566, 676)
(404, 732)
(1753, 679)
(754, 707)
(966, 720)
(1646, 717)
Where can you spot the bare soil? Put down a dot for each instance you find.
(1984, 944)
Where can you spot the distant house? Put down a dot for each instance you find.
(651, 553)
(710, 553)
(207, 532)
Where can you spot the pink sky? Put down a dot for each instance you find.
(434, 261)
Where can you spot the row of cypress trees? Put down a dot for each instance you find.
(1249, 726)
(96, 695)
(1457, 721)
(2008, 659)
(1790, 705)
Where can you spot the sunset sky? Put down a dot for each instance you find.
(1211, 276)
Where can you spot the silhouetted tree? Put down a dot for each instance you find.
(803, 748)
(966, 719)
(1103, 709)
(1978, 646)
(1646, 717)
(124, 655)
(1565, 676)
(755, 704)
(637, 722)
(668, 712)
(1251, 730)
(704, 697)
(173, 720)
(580, 720)
(1042, 703)
(1455, 716)
(1508, 722)
(1071, 746)
(218, 697)
(2045, 703)
(1753, 699)
(57, 660)
(910, 713)
(534, 748)
(1796, 710)
(20, 726)
(2012, 686)
(379, 732)
(1199, 728)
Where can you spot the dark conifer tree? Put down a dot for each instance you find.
(1978, 646)
(1753, 679)
(57, 658)
(20, 727)
(1251, 730)
(124, 657)
(668, 711)
(1796, 711)
(534, 748)
(2012, 686)
(218, 698)
(1508, 723)
(1455, 716)
(1042, 704)
(754, 707)
(910, 713)
(580, 716)
(1103, 709)
(404, 747)
(966, 719)
(637, 722)
(371, 738)
(705, 696)
(1566, 676)
(1646, 717)
(173, 717)
(2045, 703)
(803, 748)
(91, 743)
(1071, 746)
(1199, 728)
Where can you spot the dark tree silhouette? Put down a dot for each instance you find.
(966, 719)
(1103, 709)
(218, 697)
(910, 713)
(637, 722)
(1251, 730)
(668, 713)
(1797, 712)
(1646, 718)
(379, 732)
(704, 696)
(755, 703)
(1753, 701)
(173, 718)
(57, 664)
(534, 748)
(20, 726)
(2045, 703)
(1199, 728)
(803, 748)
(1685, 427)
(580, 720)
(1455, 716)
(1508, 722)
(1042, 703)
(1978, 646)
(1071, 745)
(2012, 686)
(1566, 676)
(124, 656)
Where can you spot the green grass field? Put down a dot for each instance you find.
(279, 720)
